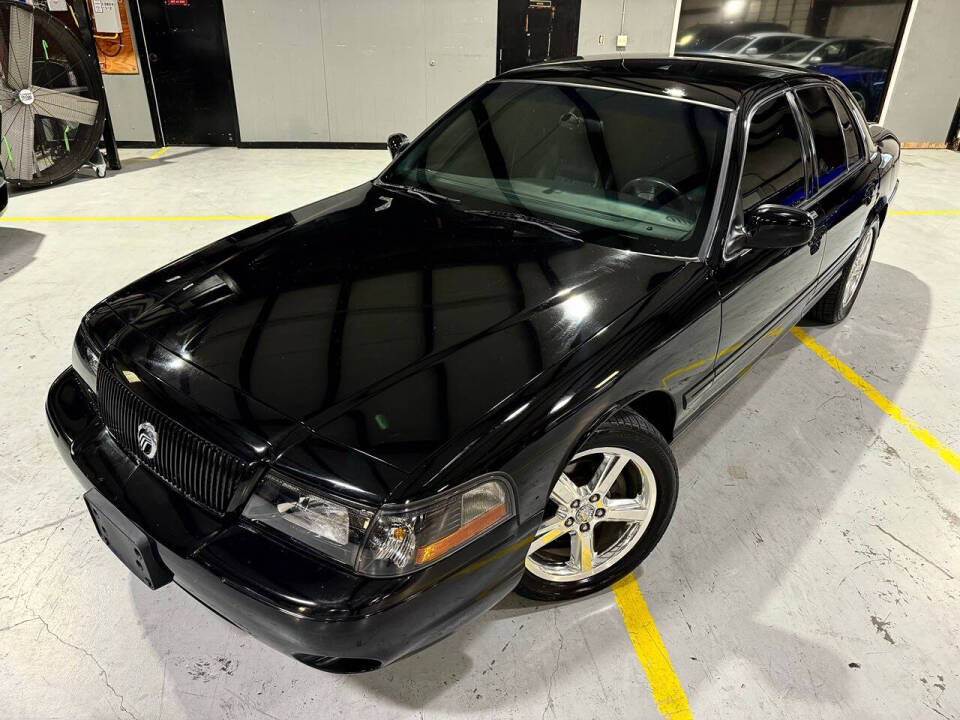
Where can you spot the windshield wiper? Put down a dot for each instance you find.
(555, 227)
(429, 195)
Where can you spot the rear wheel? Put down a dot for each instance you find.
(607, 510)
(836, 304)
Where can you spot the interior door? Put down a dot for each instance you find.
(186, 53)
(533, 31)
(760, 288)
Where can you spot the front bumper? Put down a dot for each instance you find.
(305, 606)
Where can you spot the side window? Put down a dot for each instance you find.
(773, 164)
(851, 135)
(827, 136)
(833, 52)
(770, 44)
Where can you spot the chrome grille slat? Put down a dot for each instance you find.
(193, 466)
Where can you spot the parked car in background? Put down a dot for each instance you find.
(757, 45)
(865, 75)
(815, 51)
(706, 36)
(355, 426)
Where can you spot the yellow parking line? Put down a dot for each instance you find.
(134, 218)
(923, 435)
(664, 683)
(924, 212)
(159, 152)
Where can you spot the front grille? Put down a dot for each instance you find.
(190, 464)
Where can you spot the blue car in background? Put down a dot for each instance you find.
(866, 75)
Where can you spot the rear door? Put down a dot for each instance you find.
(845, 184)
(761, 288)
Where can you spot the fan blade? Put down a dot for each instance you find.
(8, 98)
(20, 49)
(16, 145)
(64, 106)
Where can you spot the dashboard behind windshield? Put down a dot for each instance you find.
(627, 163)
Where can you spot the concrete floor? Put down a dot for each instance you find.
(810, 570)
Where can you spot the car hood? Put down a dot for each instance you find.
(383, 321)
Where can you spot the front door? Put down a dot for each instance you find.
(533, 31)
(761, 289)
(186, 53)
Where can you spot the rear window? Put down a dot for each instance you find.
(827, 135)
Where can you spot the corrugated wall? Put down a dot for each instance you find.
(346, 71)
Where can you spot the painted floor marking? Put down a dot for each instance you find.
(950, 457)
(647, 644)
(135, 218)
(159, 152)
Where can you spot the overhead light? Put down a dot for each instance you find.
(732, 8)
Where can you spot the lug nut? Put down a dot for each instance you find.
(584, 527)
(594, 497)
(568, 522)
(575, 504)
(600, 512)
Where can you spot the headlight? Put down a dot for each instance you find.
(405, 538)
(86, 356)
(331, 527)
(396, 540)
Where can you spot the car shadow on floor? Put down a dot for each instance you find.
(18, 248)
(712, 581)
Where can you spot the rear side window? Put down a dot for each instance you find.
(771, 44)
(827, 136)
(773, 165)
(851, 137)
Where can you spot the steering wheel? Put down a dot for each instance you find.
(656, 192)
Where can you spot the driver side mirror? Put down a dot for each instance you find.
(778, 226)
(396, 143)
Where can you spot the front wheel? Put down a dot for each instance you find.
(607, 510)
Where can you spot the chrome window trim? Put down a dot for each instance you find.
(735, 226)
(588, 86)
(812, 198)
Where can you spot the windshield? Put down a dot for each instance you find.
(796, 50)
(732, 44)
(619, 162)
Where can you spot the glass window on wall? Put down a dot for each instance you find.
(853, 42)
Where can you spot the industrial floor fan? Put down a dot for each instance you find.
(51, 108)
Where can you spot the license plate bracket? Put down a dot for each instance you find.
(127, 541)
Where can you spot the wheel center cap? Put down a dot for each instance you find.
(26, 96)
(585, 513)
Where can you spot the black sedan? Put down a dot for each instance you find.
(353, 427)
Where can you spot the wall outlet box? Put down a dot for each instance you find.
(621, 42)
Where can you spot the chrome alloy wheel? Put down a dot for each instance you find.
(593, 524)
(857, 269)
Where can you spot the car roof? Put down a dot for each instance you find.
(705, 79)
(772, 33)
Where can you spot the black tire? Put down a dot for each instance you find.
(831, 308)
(630, 431)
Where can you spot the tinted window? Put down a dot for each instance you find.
(827, 137)
(773, 166)
(771, 44)
(628, 163)
(797, 49)
(851, 136)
